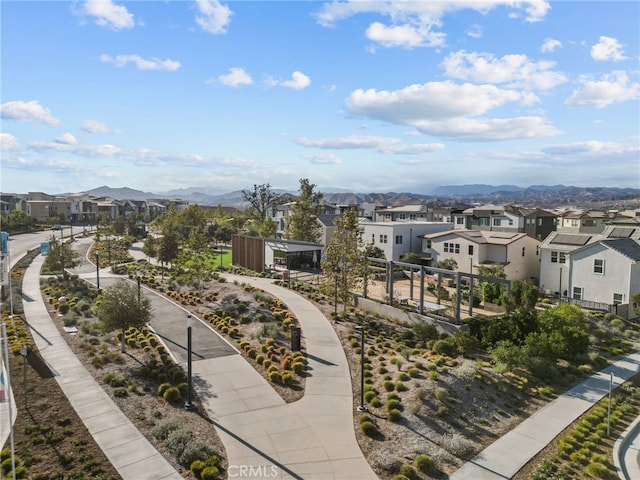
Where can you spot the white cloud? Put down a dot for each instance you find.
(411, 23)
(607, 48)
(9, 143)
(488, 130)
(30, 111)
(591, 147)
(94, 126)
(388, 145)
(298, 81)
(407, 36)
(81, 150)
(237, 76)
(66, 139)
(475, 31)
(141, 63)
(516, 70)
(433, 100)
(108, 15)
(611, 88)
(550, 44)
(213, 17)
(323, 158)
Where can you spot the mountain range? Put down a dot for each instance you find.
(539, 195)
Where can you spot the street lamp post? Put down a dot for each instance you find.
(138, 288)
(188, 405)
(98, 270)
(362, 407)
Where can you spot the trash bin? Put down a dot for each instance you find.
(295, 338)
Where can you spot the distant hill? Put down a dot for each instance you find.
(539, 195)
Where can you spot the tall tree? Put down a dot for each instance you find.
(345, 261)
(119, 307)
(302, 223)
(260, 199)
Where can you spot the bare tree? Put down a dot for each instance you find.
(260, 199)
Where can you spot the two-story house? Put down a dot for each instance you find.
(556, 249)
(606, 272)
(396, 239)
(583, 221)
(507, 218)
(517, 252)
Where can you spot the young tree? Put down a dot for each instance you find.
(260, 199)
(345, 261)
(119, 307)
(150, 247)
(302, 223)
(60, 256)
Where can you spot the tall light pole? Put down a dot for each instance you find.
(362, 407)
(98, 270)
(188, 405)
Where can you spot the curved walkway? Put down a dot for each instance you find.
(126, 448)
(312, 438)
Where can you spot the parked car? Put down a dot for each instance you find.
(56, 227)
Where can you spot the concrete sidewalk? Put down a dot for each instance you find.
(507, 455)
(312, 438)
(123, 444)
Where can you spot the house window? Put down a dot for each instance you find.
(618, 298)
(402, 216)
(539, 221)
(398, 239)
(428, 243)
(387, 217)
(383, 239)
(412, 216)
(577, 293)
(483, 221)
(459, 220)
(558, 257)
(523, 251)
(575, 223)
(451, 247)
(598, 266)
(470, 249)
(510, 222)
(497, 222)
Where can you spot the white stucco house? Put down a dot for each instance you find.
(556, 249)
(606, 271)
(396, 239)
(517, 252)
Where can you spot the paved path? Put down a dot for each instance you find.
(126, 448)
(312, 438)
(507, 455)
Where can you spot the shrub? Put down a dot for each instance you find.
(194, 449)
(408, 471)
(393, 404)
(413, 372)
(376, 402)
(210, 473)
(444, 347)
(369, 429)
(172, 395)
(369, 395)
(441, 394)
(197, 466)
(400, 387)
(394, 415)
(388, 385)
(274, 376)
(598, 469)
(287, 378)
(424, 463)
(164, 427)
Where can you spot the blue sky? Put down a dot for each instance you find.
(363, 96)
